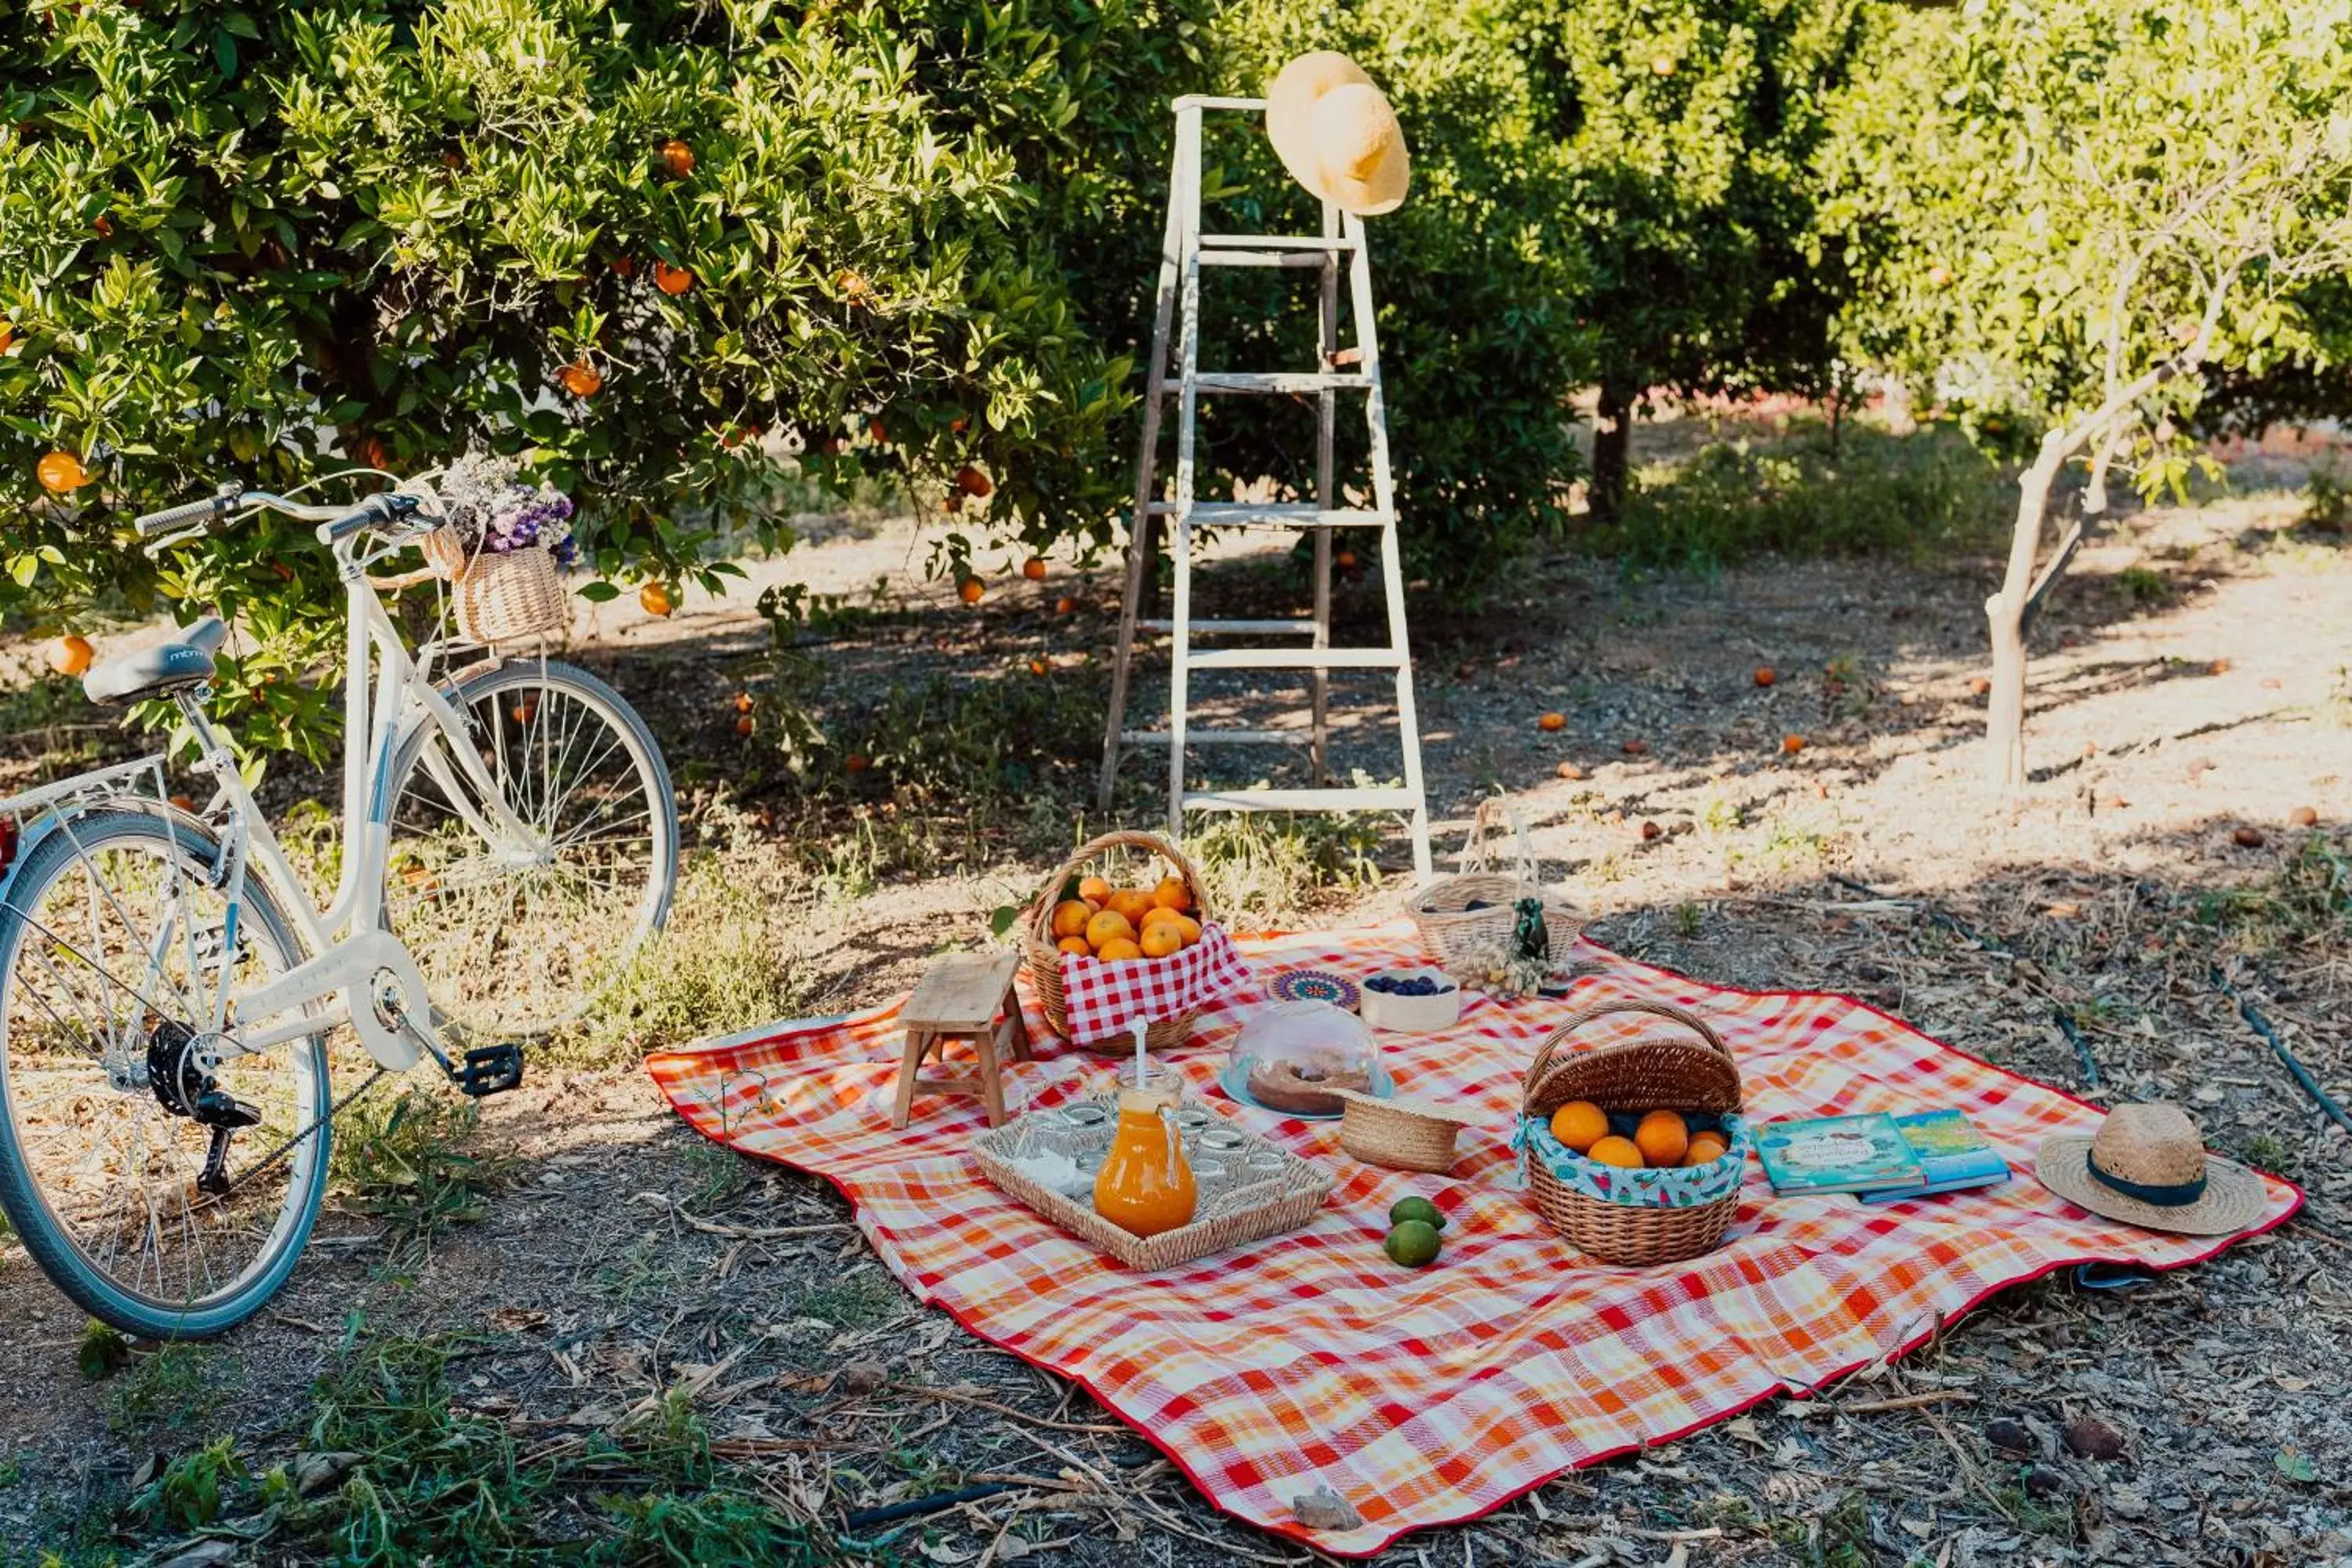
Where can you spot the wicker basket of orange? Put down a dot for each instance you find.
(1635, 1151)
(1153, 938)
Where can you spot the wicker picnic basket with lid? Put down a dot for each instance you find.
(1686, 1075)
(1452, 931)
(1045, 960)
(499, 597)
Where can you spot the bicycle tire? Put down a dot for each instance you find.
(486, 693)
(45, 1238)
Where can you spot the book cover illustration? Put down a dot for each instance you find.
(1838, 1154)
(1953, 1156)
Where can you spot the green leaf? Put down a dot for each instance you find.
(224, 51)
(2296, 1467)
(599, 593)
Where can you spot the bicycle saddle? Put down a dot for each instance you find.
(169, 666)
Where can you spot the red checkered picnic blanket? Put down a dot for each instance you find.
(1433, 1397)
(1105, 999)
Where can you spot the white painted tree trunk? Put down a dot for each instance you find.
(2005, 612)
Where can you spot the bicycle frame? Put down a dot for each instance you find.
(359, 970)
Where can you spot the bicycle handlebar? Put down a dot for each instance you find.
(342, 521)
(172, 517)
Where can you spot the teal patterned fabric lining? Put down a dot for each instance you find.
(1674, 1187)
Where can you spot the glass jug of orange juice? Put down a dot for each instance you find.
(1145, 1186)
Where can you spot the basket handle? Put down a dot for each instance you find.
(1042, 920)
(1473, 858)
(1558, 1037)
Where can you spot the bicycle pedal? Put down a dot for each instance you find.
(490, 1069)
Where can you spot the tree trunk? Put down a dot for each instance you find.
(1897, 405)
(2095, 491)
(2005, 611)
(1612, 435)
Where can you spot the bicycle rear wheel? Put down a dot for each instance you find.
(516, 939)
(112, 944)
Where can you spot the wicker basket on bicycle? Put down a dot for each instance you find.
(499, 597)
(1044, 954)
(1634, 1216)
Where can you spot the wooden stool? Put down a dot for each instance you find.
(958, 998)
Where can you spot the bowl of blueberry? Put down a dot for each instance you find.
(1411, 1001)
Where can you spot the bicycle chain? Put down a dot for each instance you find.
(287, 1148)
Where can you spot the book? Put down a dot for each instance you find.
(1953, 1156)
(1839, 1155)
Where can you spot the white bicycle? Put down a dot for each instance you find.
(168, 986)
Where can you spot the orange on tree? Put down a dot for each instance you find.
(1094, 889)
(672, 279)
(1070, 917)
(855, 763)
(70, 654)
(1579, 1124)
(1033, 569)
(581, 379)
(677, 158)
(879, 431)
(972, 482)
(1160, 940)
(655, 600)
(970, 590)
(1623, 1153)
(1108, 926)
(742, 702)
(1345, 560)
(745, 725)
(7, 334)
(1077, 944)
(1038, 666)
(1663, 1138)
(60, 472)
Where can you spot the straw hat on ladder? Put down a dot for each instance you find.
(1335, 133)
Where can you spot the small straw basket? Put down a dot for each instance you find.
(1452, 931)
(1685, 1075)
(1045, 960)
(498, 598)
(1398, 1134)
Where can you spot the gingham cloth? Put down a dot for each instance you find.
(1105, 999)
(1433, 1396)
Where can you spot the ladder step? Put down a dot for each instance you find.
(1316, 259)
(1302, 800)
(1224, 514)
(1296, 658)
(1276, 242)
(1271, 628)
(1278, 381)
(1219, 737)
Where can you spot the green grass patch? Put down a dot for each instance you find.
(399, 1159)
(2308, 899)
(1911, 497)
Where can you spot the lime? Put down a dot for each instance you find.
(1418, 1208)
(1412, 1243)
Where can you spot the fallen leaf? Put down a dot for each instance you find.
(314, 1471)
(2296, 1467)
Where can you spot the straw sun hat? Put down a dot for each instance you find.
(1335, 133)
(2147, 1166)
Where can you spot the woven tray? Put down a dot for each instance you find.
(1230, 1213)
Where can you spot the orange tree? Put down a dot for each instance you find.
(677, 255)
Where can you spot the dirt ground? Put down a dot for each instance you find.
(2194, 678)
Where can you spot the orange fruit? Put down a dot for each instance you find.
(1065, 606)
(70, 654)
(1345, 560)
(1106, 927)
(1039, 666)
(654, 599)
(672, 279)
(1132, 903)
(1160, 940)
(581, 379)
(60, 472)
(970, 589)
(1612, 1150)
(1706, 1149)
(677, 159)
(742, 702)
(1552, 721)
(856, 762)
(972, 482)
(1172, 893)
(182, 802)
(1663, 1138)
(1160, 915)
(1077, 944)
(1791, 744)
(1579, 1124)
(1764, 676)
(1094, 889)
(624, 266)
(1117, 948)
(745, 725)
(1033, 569)
(7, 334)
(1070, 917)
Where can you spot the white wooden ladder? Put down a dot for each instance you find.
(1184, 250)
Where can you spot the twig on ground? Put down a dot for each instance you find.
(957, 1396)
(1907, 1402)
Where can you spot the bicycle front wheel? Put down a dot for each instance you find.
(115, 945)
(518, 931)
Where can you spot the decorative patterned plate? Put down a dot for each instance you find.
(1315, 985)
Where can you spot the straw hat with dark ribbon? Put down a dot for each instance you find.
(2147, 1166)
(1335, 133)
